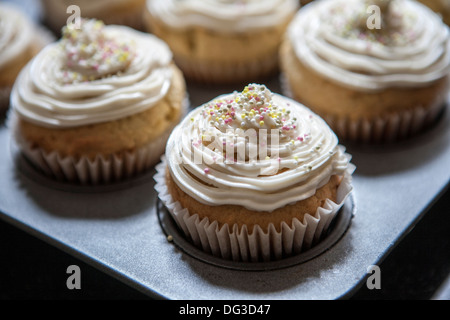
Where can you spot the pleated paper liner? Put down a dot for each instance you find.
(231, 244)
(389, 128)
(230, 72)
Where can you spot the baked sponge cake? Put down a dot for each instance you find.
(222, 42)
(98, 105)
(253, 176)
(374, 76)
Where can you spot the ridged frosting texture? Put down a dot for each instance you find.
(255, 149)
(94, 74)
(16, 33)
(410, 48)
(223, 15)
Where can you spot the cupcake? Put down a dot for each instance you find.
(372, 77)
(121, 12)
(98, 105)
(20, 40)
(253, 176)
(442, 7)
(222, 41)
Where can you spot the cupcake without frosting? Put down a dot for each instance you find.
(222, 41)
(20, 40)
(253, 176)
(99, 104)
(370, 83)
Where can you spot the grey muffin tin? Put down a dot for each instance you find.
(122, 230)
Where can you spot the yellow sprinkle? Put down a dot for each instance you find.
(267, 158)
(261, 123)
(243, 116)
(192, 119)
(295, 158)
(293, 141)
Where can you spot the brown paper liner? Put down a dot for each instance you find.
(232, 243)
(391, 127)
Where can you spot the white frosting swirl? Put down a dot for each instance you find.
(16, 33)
(223, 15)
(411, 48)
(82, 80)
(222, 154)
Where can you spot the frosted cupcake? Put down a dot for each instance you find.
(20, 40)
(222, 41)
(253, 176)
(121, 12)
(442, 7)
(371, 79)
(98, 105)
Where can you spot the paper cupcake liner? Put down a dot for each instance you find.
(387, 128)
(230, 72)
(98, 170)
(232, 243)
(101, 169)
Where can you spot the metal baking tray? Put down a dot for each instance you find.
(122, 230)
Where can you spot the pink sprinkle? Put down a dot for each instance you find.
(206, 170)
(261, 118)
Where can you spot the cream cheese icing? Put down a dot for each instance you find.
(223, 15)
(411, 48)
(256, 149)
(96, 74)
(16, 33)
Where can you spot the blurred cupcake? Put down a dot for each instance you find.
(222, 41)
(20, 40)
(253, 176)
(372, 80)
(442, 7)
(98, 105)
(121, 12)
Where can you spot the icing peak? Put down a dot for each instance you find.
(90, 54)
(253, 108)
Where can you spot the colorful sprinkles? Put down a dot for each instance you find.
(89, 53)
